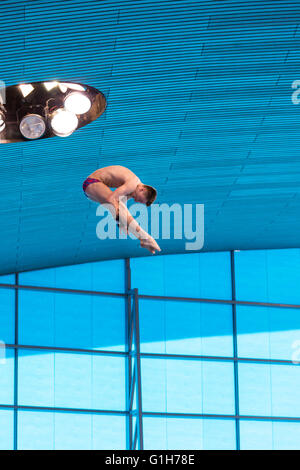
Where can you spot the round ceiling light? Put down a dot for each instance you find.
(32, 126)
(77, 103)
(63, 122)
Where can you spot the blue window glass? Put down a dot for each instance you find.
(256, 435)
(188, 433)
(36, 430)
(72, 320)
(108, 323)
(92, 381)
(274, 275)
(269, 435)
(218, 387)
(205, 386)
(219, 434)
(192, 328)
(106, 276)
(108, 388)
(265, 389)
(71, 380)
(147, 274)
(268, 332)
(205, 275)
(59, 430)
(7, 376)
(37, 318)
(36, 378)
(109, 432)
(286, 435)
(8, 279)
(6, 429)
(7, 316)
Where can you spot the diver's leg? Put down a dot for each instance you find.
(98, 192)
(101, 193)
(133, 227)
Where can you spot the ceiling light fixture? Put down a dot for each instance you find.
(50, 85)
(26, 89)
(47, 109)
(77, 103)
(73, 86)
(63, 122)
(32, 126)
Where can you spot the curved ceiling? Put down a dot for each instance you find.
(199, 106)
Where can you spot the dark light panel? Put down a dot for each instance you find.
(39, 110)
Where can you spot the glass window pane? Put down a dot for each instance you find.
(71, 320)
(147, 274)
(7, 376)
(269, 389)
(254, 389)
(256, 435)
(205, 386)
(71, 380)
(108, 323)
(218, 387)
(269, 435)
(6, 429)
(152, 317)
(36, 430)
(7, 316)
(268, 275)
(204, 275)
(185, 328)
(109, 432)
(286, 435)
(58, 430)
(188, 433)
(36, 378)
(219, 434)
(106, 276)
(268, 332)
(7, 279)
(36, 318)
(108, 387)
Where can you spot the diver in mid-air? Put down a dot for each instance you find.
(97, 188)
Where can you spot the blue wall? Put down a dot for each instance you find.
(64, 364)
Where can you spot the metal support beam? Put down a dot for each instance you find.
(134, 382)
(128, 342)
(138, 370)
(235, 353)
(16, 365)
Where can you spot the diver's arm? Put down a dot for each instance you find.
(125, 189)
(126, 220)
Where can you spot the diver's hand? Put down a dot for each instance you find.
(150, 244)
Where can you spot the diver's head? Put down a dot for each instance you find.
(145, 194)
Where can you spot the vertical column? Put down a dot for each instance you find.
(16, 363)
(235, 353)
(128, 348)
(133, 374)
(138, 369)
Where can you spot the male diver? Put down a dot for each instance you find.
(97, 188)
